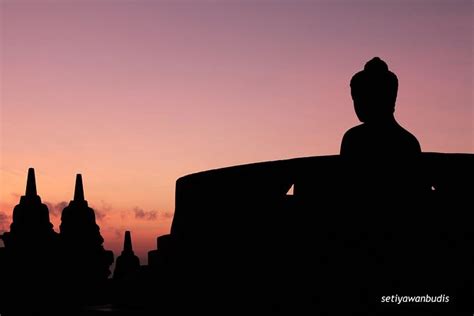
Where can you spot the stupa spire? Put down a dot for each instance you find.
(127, 242)
(79, 189)
(31, 183)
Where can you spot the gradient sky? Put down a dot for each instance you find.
(135, 94)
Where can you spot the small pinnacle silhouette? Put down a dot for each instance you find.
(31, 183)
(127, 243)
(79, 189)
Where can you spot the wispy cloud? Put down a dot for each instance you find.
(17, 173)
(167, 214)
(4, 221)
(102, 211)
(100, 214)
(145, 215)
(118, 232)
(115, 232)
(55, 209)
(124, 215)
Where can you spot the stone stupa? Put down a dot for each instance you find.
(127, 263)
(81, 240)
(31, 228)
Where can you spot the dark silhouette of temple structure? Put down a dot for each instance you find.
(30, 255)
(127, 264)
(238, 241)
(349, 235)
(35, 256)
(160, 257)
(31, 226)
(85, 260)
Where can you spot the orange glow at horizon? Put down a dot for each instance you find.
(134, 95)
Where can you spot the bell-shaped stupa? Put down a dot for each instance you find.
(127, 263)
(31, 226)
(30, 257)
(78, 225)
(81, 239)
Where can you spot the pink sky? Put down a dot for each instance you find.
(134, 95)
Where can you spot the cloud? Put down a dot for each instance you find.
(167, 214)
(118, 233)
(16, 196)
(102, 211)
(100, 214)
(55, 209)
(4, 221)
(124, 215)
(141, 214)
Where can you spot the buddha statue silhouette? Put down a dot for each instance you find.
(374, 92)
